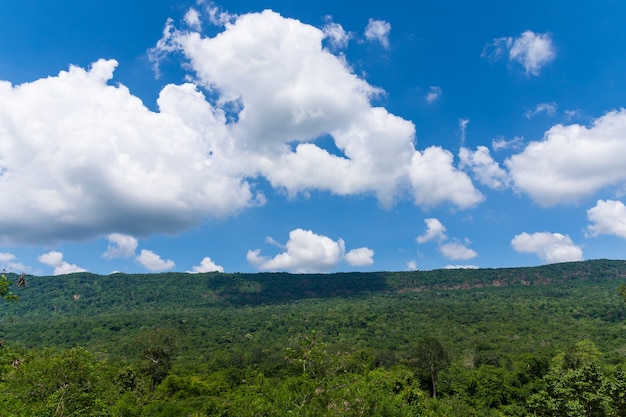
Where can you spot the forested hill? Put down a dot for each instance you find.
(135, 292)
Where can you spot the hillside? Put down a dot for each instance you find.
(102, 311)
(84, 292)
(233, 328)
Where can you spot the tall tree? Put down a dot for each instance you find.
(157, 348)
(431, 358)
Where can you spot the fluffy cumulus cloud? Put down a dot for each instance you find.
(457, 251)
(484, 168)
(61, 267)
(153, 262)
(82, 157)
(435, 180)
(120, 246)
(531, 50)
(360, 257)
(549, 247)
(206, 265)
(378, 30)
(434, 231)
(307, 252)
(450, 249)
(572, 162)
(607, 217)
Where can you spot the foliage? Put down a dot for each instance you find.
(157, 348)
(5, 287)
(546, 341)
(430, 359)
(69, 383)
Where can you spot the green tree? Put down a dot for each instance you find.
(575, 386)
(70, 383)
(431, 358)
(157, 349)
(5, 287)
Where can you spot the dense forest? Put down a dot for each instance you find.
(541, 341)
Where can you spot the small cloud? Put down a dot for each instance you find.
(360, 257)
(434, 93)
(484, 168)
(55, 260)
(548, 108)
(434, 231)
(531, 50)
(463, 129)
(549, 247)
(153, 262)
(271, 241)
(192, 19)
(500, 143)
(120, 246)
(336, 35)
(217, 16)
(206, 265)
(457, 251)
(378, 30)
(608, 217)
(6, 257)
(411, 266)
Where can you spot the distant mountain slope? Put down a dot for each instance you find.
(85, 292)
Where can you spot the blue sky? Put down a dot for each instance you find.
(245, 136)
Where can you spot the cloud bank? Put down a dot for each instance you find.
(82, 157)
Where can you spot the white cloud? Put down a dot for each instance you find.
(55, 260)
(434, 231)
(217, 16)
(7, 262)
(434, 93)
(500, 143)
(531, 50)
(6, 257)
(82, 157)
(153, 262)
(435, 180)
(360, 257)
(457, 251)
(463, 122)
(549, 247)
(411, 266)
(378, 30)
(206, 265)
(548, 108)
(192, 19)
(484, 168)
(608, 217)
(336, 35)
(120, 246)
(572, 162)
(307, 252)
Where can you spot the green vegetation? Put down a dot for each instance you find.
(545, 341)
